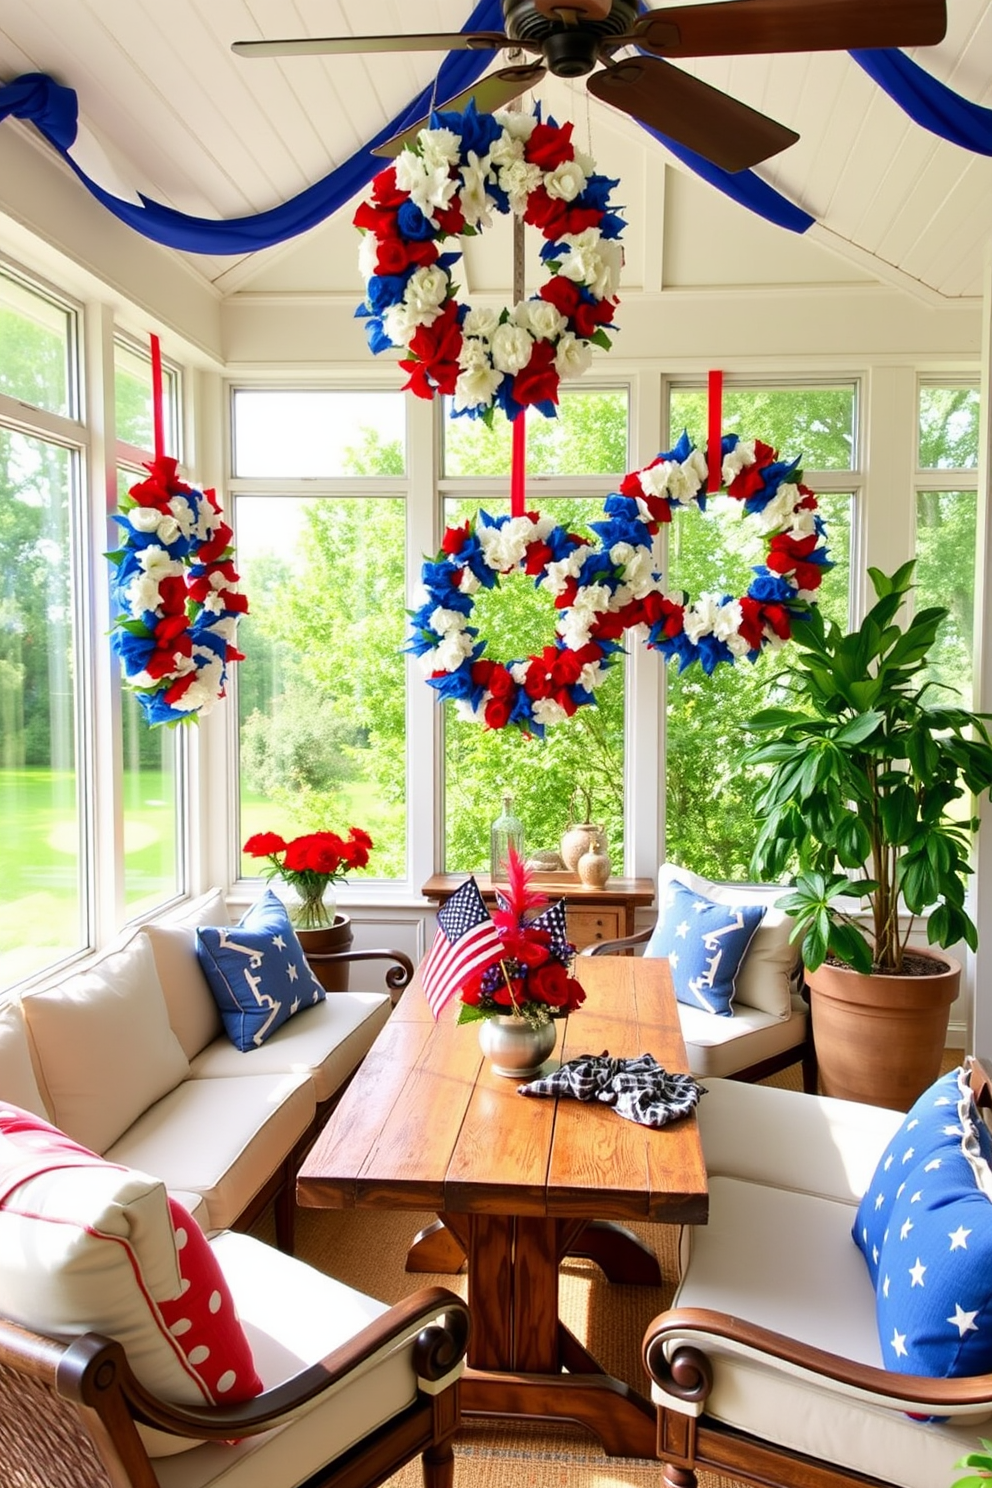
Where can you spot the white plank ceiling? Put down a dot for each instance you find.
(191, 125)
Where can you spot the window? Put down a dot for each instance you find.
(709, 818)
(321, 693)
(43, 897)
(946, 530)
(588, 444)
(150, 777)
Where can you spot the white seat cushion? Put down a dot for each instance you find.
(719, 1046)
(326, 1042)
(786, 1261)
(807, 1143)
(293, 1316)
(193, 1013)
(221, 1138)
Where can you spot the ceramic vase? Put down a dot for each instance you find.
(515, 1047)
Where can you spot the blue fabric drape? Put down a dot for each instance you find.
(929, 103)
(52, 109)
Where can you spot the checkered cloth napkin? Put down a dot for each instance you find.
(638, 1089)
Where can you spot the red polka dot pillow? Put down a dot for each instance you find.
(87, 1245)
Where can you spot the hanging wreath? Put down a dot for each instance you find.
(177, 587)
(459, 171)
(592, 584)
(604, 587)
(713, 628)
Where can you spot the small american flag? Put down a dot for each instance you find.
(552, 920)
(466, 941)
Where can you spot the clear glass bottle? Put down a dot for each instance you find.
(507, 831)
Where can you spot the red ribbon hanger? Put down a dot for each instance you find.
(518, 466)
(158, 399)
(714, 437)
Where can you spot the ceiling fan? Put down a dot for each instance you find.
(574, 37)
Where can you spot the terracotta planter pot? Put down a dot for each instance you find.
(332, 975)
(880, 1039)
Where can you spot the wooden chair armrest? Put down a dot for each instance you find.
(685, 1371)
(397, 977)
(615, 947)
(87, 1365)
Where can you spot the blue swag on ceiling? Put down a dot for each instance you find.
(53, 110)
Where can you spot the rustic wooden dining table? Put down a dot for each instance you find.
(519, 1183)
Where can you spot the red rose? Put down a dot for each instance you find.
(418, 381)
(455, 538)
(172, 594)
(178, 690)
(549, 146)
(497, 713)
(376, 220)
(438, 346)
(538, 381)
(451, 219)
(545, 212)
(385, 191)
(577, 219)
(481, 671)
(537, 556)
(589, 315)
(501, 684)
(751, 627)
(563, 294)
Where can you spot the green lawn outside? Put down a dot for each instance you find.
(40, 910)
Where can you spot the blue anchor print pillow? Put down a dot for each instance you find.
(705, 944)
(257, 972)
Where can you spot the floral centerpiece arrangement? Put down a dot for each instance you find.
(531, 980)
(309, 864)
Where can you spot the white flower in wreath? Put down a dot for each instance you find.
(518, 178)
(426, 293)
(477, 204)
(517, 125)
(739, 458)
(445, 622)
(439, 148)
(226, 628)
(686, 481)
(474, 354)
(575, 628)
(430, 190)
(475, 387)
(547, 711)
(506, 151)
(452, 651)
(368, 255)
(592, 260)
(468, 582)
(572, 356)
(591, 676)
(144, 518)
(158, 564)
(465, 711)
(566, 181)
(777, 514)
(540, 317)
(518, 671)
(399, 323)
(803, 522)
(563, 569)
(480, 322)
(512, 347)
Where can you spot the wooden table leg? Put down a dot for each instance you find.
(618, 1252)
(519, 1349)
(435, 1248)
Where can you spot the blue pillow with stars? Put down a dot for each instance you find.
(934, 1290)
(705, 944)
(935, 1124)
(257, 972)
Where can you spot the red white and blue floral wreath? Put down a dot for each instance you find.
(604, 589)
(178, 591)
(712, 627)
(460, 170)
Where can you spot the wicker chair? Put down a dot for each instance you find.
(69, 1412)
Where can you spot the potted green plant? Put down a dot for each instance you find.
(869, 807)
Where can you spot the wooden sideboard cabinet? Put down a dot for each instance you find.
(593, 914)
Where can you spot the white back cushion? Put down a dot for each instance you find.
(103, 1045)
(18, 1083)
(766, 975)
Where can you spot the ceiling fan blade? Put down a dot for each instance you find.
(689, 111)
(739, 27)
(330, 46)
(492, 92)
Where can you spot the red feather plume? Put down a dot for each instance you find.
(519, 895)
